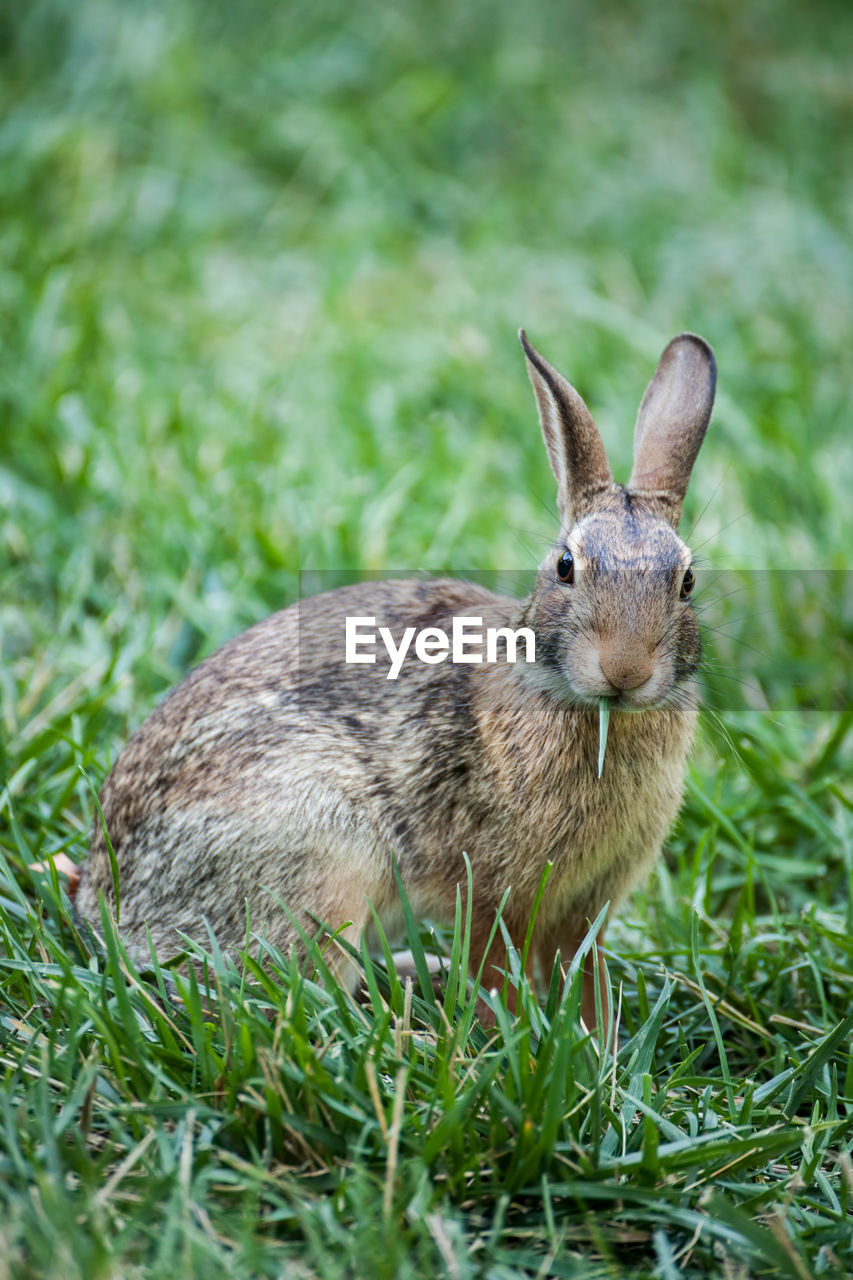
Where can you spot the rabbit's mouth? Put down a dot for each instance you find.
(632, 676)
(585, 688)
(627, 700)
(635, 703)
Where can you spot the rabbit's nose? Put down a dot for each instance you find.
(626, 673)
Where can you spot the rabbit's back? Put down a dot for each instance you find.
(277, 768)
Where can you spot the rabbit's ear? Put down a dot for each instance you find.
(575, 448)
(671, 423)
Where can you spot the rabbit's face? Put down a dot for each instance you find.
(611, 610)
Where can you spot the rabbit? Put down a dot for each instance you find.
(278, 772)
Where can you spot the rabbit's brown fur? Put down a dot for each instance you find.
(278, 772)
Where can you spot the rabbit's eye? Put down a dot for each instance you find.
(566, 567)
(687, 582)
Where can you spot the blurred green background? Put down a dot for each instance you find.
(261, 268)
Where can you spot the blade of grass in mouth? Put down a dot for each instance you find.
(603, 722)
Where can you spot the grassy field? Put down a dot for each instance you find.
(261, 268)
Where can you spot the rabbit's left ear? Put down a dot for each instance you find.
(575, 448)
(671, 423)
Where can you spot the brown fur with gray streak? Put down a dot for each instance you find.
(277, 771)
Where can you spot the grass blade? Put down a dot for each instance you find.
(603, 724)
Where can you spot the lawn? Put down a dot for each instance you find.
(261, 268)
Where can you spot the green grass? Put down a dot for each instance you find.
(260, 273)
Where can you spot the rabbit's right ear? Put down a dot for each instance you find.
(672, 422)
(575, 449)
